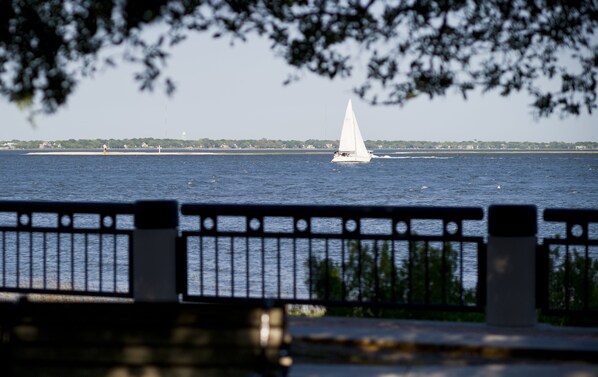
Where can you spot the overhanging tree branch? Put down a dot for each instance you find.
(547, 48)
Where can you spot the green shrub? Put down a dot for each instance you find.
(370, 275)
(567, 287)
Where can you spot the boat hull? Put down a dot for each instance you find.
(351, 158)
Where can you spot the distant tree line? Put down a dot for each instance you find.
(152, 143)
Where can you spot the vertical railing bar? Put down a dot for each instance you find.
(114, 261)
(85, 262)
(58, 260)
(201, 265)
(247, 276)
(216, 265)
(278, 268)
(393, 283)
(294, 268)
(44, 266)
(131, 263)
(427, 272)
(263, 267)
(232, 266)
(443, 274)
(3, 258)
(586, 299)
(461, 275)
(18, 259)
(376, 272)
(309, 261)
(101, 256)
(343, 287)
(327, 270)
(31, 259)
(359, 271)
(72, 260)
(411, 246)
(567, 276)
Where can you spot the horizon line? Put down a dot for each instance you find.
(302, 140)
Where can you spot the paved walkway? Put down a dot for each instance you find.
(345, 347)
(492, 370)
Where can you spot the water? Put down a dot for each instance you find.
(467, 179)
(546, 180)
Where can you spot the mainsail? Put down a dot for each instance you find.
(351, 147)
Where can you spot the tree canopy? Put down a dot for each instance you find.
(547, 48)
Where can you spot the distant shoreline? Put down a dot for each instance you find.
(171, 153)
(251, 152)
(260, 145)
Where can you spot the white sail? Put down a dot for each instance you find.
(351, 146)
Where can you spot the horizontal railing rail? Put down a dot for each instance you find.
(334, 255)
(567, 270)
(69, 248)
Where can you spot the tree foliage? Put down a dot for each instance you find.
(409, 48)
(205, 143)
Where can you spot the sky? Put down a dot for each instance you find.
(237, 92)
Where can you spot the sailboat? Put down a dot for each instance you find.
(351, 147)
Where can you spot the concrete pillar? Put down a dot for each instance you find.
(510, 267)
(154, 251)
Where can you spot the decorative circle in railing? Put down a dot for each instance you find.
(107, 221)
(208, 223)
(350, 225)
(301, 225)
(255, 224)
(451, 228)
(576, 230)
(66, 220)
(401, 228)
(24, 219)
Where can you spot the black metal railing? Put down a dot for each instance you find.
(567, 264)
(334, 255)
(66, 248)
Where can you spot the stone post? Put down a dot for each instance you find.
(154, 251)
(510, 266)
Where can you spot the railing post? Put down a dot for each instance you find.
(510, 286)
(154, 251)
